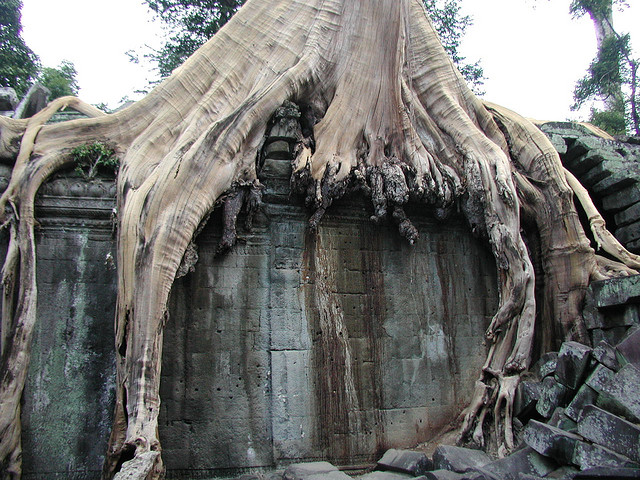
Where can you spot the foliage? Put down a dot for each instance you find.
(18, 64)
(94, 158)
(192, 22)
(612, 75)
(60, 81)
(451, 27)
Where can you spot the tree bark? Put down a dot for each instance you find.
(394, 119)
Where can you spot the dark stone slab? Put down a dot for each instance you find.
(607, 473)
(628, 233)
(605, 354)
(565, 472)
(526, 461)
(590, 455)
(608, 430)
(313, 470)
(573, 360)
(34, 101)
(629, 347)
(527, 395)
(553, 394)
(8, 99)
(622, 199)
(387, 475)
(593, 317)
(458, 459)
(628, 215)
(585, 396)
(617, 291)
(551, 441)
(600, 377)
(407, 461)
(446, 475)
(622, 394)
(560, 420)
(546, 365)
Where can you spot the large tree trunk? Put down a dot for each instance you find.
(393, 118)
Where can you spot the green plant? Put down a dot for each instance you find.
(94, 158)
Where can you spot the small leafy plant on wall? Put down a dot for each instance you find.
(94, 158)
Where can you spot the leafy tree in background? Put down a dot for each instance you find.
(192, 22)
(613, 75)
(60, 81)
(18, 64)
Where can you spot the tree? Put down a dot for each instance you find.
(60, 81)
(193, 22)
(18, 64)
(610, 72)
(387, 114)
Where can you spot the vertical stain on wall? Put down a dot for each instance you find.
(336, 394)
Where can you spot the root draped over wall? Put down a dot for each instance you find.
(390, 115)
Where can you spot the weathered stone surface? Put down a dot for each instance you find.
(458, 459)
(445, 475)
(608, 473)
(605, 354)
(34, 101)
(588, 455)
(629, 347)
(600, 377)
(593, 317)
(553, 394)
(8, 99)
(621, 395)
(606, 429)
(565, 472)
(617, 291)
(386, 476)
(313, 470)
(622, 199)
(628, 233)
(560, 420)
(551, 441)
(526, 461)
(573, 360)
(585, 396)
(628, 215)
(414, 463)
(546, 365)
(527, 395)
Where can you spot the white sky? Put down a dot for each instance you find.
(532, 51)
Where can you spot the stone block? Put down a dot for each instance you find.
(588, 455)
(551, 441)
(573, 360)
(622, 394)
(527, 396)
(560, 420)
(617, 291)
(600, 376)
(629, 347)
(621, 199)
(612, 336)
(313, 470)
(8, 99)
(606, 429)
(565, 472)
(628, 215)
(553, 394)
(593, 317)
(628, 233)
(585, 396)
(546, 365)
(605, 354)
(526, 461)
(386, 476)
(406, 461)
(458, 459)
(608, 473)
(613, 183)
(445, 475)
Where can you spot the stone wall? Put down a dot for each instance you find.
(291, 347)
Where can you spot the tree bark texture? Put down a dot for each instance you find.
(387, 113)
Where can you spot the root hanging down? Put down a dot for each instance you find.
(383, 112)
